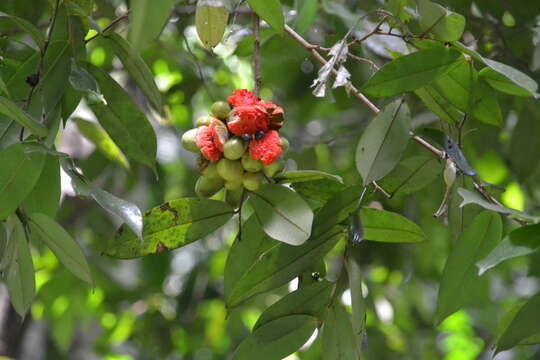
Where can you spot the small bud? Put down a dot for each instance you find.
(32, 80)
(204, 120)
(449, 173)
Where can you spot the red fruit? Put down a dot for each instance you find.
(242, 97)
(275, 113)
(248, 119)
(219, 133)
(204, 140)
(266, 149)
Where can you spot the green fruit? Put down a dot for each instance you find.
(220, 109)
(204, 120)
(229, 169)
(206, 187)
(251, 165)
(188, 140)
(234, 197)
(233, 184)
(234, 148)
(210, 171)
(273, 169)
(252, 181)
(284, 143)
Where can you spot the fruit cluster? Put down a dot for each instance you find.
(239, 143)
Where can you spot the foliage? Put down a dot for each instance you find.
(432, 110)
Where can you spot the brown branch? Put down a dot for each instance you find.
(108, 27)
(257, 54)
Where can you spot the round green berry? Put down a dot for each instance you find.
(230, 170)
(273, 169)
(210, 171)
(252, 181)
(284, 143)
(204, 120)
(251, 165)
(233, 184)
(188, 140)
(234, 148)
(206, 186)
(220, 109)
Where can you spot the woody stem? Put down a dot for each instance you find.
(257, 54)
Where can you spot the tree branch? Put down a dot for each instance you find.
(257, 54)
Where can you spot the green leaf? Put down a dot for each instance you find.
(282, 213)
(277, 339)
(137, 69)
(292, 177)
(54, 79)
(169, 226)
(383, 141)
(309, 300)
(462, 88)
(280, 264)
(515, 76)
(318, 192)
(20, 169)
(438, 104)
(20, 278)
(460, 284)
(444, 24)
(411, 72)
(45, 197)
(125, 123)
(386, 226)
(470, 197)
(524, 325)
(520, 242)
(101, 139)
(270, 11)
(501, 83)
(337, 336)
(12, 111)
(245, 252)
(307, 13)
(68, 252)
(411, 175)
(27, 27)
(211, 18)
(81, 80)
(147, 18)
(3, 88)
(358, 302)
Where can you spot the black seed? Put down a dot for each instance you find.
(259, 135)
(245, 137)
(315, 276)
(32, 80)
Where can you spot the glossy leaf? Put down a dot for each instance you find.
(337, 336)
(211, 18)
(12, 111)
(125, 123)
(20, 279)
(317, 192)
(277, 339)
(411, 72)
(460, 284)
(411, 175)
(386, 226)
(291, 177)
(444, 24)
(519, 242)
(3, 89)
(309, 300)
(147, 19)
(383, 141)
(501, 83)
(102, 140)
(66, 249)
(524, 325)
(279, 265)
(358, 302)
(170, 226)
(81, 80)
(27, 27)
(438, 104)
(137, 69)
(282, 213)
(19, 172)
(470, 197)
(55, 77)
(270, 11)
(45, 197)
(307, 12)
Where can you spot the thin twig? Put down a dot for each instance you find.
(375, 30)
(199, 70)
(108, 27)
(257, 54)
